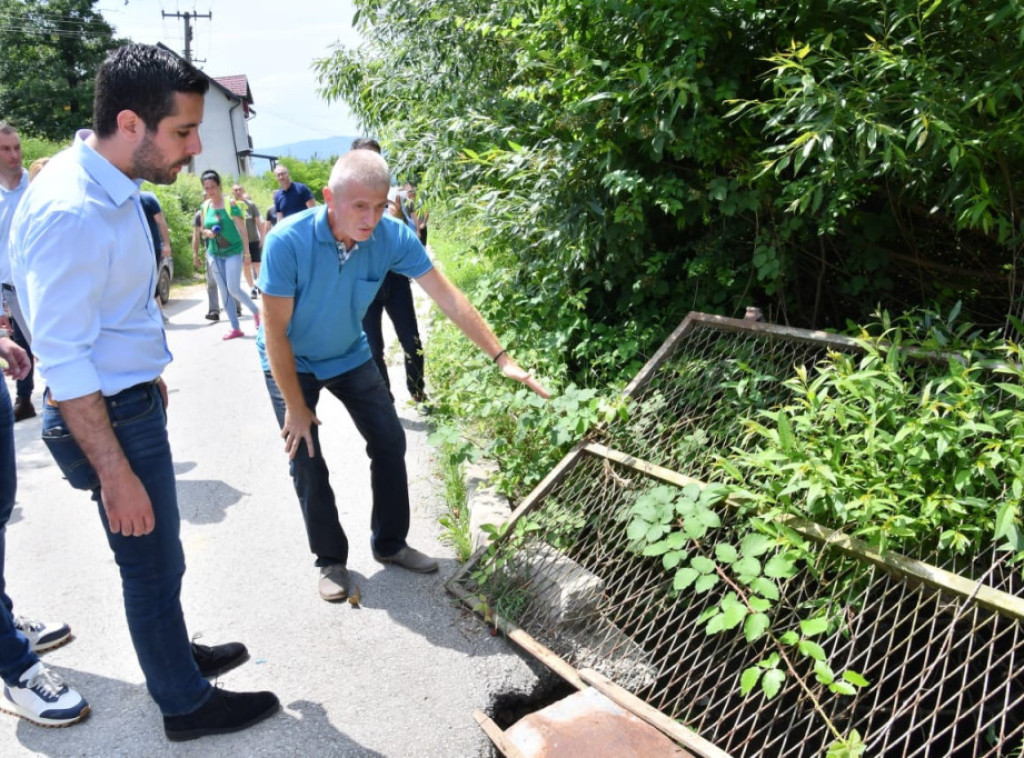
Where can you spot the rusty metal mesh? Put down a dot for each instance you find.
(944, 672)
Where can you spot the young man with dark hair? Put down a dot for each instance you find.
(83, 258)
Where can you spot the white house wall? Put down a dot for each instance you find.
(224, 133)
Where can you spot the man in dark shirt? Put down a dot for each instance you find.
(292, 197)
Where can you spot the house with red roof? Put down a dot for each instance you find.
(227, 146)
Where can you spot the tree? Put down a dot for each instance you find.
(634, 161)
(51, 52)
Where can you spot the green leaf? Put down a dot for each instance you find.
(672, 559)
(725, 552)
(823, 673)
(748, 680)
(747, 568)
(842, 688)
(705, 583)
(715, 624)
(733, 615)
(684, 578)
(755, 626)
(658, 548)
(1005, 519)
(815, 626)
(854, 678)
(811, 649)
(771, 682)
(755, 544)
(703, 564)
(785, 431)
(758, 603)
(780, 567)
(765, 587)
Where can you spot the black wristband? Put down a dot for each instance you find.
(500, 353)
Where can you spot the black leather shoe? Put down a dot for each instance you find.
(214, 660)
(23, 408)
(213, 316)
(223, 713)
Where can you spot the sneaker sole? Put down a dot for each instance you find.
(197, 733)
(15, 710)
(53, 644)
(334, 598)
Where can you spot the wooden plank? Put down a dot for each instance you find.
(669, 726)
(985, 596)
(518, 635)
(639, 464)
(497, 736)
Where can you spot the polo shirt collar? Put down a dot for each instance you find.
(112, 180)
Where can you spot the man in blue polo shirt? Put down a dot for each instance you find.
(293, 197)
(321, 269)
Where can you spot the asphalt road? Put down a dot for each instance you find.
(398, 676)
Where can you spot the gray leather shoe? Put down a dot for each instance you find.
(334, 582)
(409, 558)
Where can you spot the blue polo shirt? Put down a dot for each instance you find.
(300, 261)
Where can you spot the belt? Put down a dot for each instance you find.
(48, 398)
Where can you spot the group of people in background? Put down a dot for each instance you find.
(231, 231)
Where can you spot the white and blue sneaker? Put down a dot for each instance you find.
(42, 635)
(42, 698)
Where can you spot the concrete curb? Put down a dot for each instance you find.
(486, 506)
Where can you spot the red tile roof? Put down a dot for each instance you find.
(237, 84)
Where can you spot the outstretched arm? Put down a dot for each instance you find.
(457, 307)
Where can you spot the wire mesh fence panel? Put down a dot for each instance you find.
(942, 664)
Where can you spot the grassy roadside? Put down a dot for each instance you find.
(451, 252)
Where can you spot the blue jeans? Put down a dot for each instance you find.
(395, 297)
(15, 653)
(227, 272)
(152, 565)
(365, 397)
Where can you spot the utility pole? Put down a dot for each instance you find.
(187, 17)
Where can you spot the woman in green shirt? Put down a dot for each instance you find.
(223, 229)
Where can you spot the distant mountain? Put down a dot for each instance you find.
(311, 148)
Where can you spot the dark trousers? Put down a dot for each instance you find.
(365, 397)
(395, 297)
(16, 655)
(151, 566)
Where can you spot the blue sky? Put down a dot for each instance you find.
(272, 43)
